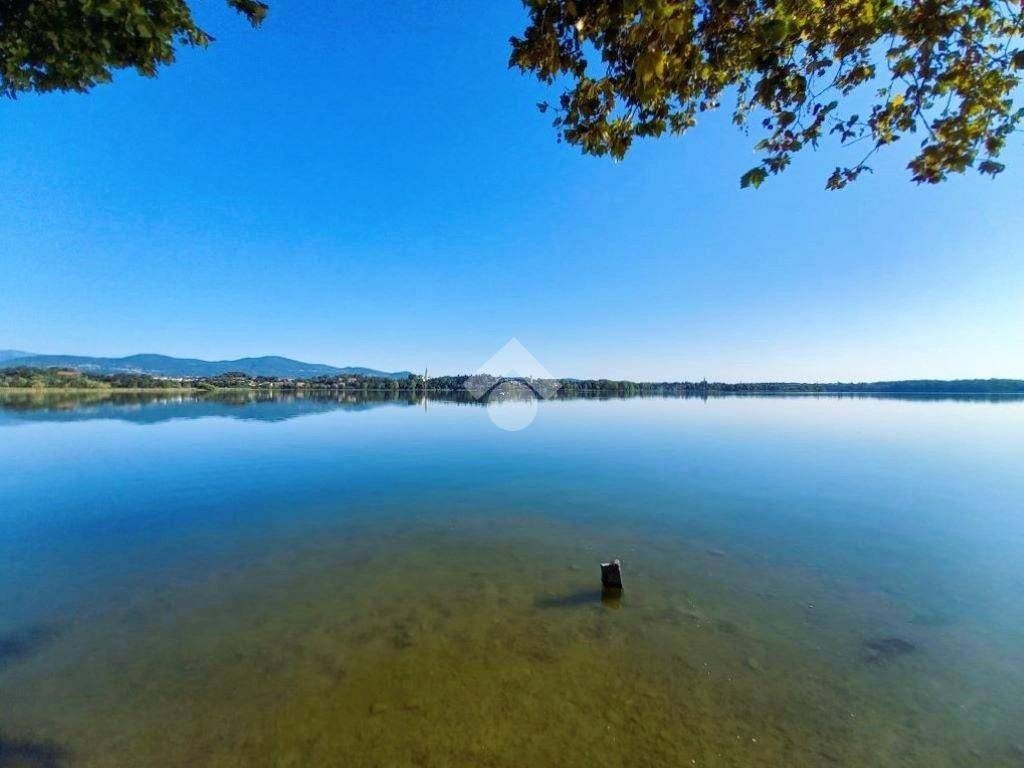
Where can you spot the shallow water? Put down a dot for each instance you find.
(810, 581)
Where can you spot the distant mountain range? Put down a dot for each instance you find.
(162, 365)
(12, 354)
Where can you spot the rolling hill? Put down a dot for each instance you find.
(12, 354)
(163, 365)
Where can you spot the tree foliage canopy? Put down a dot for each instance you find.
(72, 45)
(855, 71)
(799, 72)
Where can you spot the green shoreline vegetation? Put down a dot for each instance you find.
(68, 380)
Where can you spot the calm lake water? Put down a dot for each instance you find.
(810, 581)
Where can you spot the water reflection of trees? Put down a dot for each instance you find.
(153, 407)
(262, 405)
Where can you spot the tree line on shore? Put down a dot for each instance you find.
(22, 377)
(58, 378)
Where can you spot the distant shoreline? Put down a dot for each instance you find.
(448, 392)
(103, 390)
(482, 385)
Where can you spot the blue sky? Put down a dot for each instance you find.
(369, 184)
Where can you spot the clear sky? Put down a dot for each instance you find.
(368, 184)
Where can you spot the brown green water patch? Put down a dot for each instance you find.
(487, 643)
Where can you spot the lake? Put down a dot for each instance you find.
(324, 581)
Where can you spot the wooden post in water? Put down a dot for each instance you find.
(611, 584)
(611, 575)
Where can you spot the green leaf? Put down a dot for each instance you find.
(753, 178)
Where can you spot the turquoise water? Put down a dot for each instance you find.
(810, 581)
